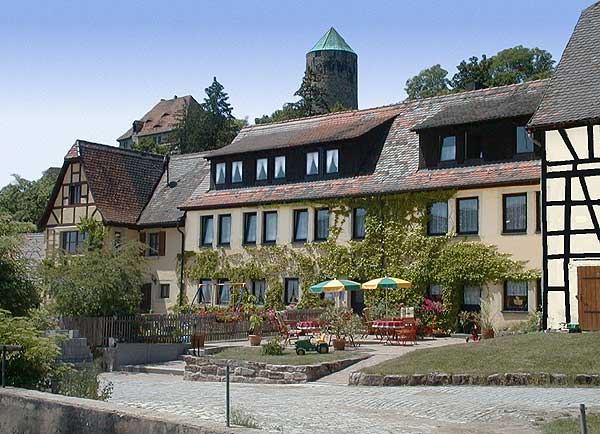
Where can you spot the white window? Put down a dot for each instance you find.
(312, 163)
(262, 170)
(524, 142)
(220, 173)
(472, 296)
(280, 167)
(332, 161)
(448, 149)
(236, 171)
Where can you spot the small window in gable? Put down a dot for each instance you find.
(220, 173)
(280, 167)
(236, 171)
(312, 163)
(262, 170)
(332, 161)
(74, 194)
(448, 152)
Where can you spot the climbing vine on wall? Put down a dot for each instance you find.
(396, 244)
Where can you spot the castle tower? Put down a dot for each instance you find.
(335, 65)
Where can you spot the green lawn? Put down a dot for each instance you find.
(572, 425)
(289, 357)
(535, 352)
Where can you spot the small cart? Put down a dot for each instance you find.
(305, 345)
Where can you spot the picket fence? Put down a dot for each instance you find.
(172, 328)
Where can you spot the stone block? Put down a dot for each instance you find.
(274, 375)
(417, 380)
(208, 370)
(558, 379)
(495, 379)
(517, 379)
(371, 380)
(583, 379)
(353, 378)
(396, 380)
(246, 372)
(299, 377)
(460, 379)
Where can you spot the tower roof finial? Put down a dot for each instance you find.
(332, 40)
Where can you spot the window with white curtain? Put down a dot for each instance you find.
(224, 229)
(207, 230)
(359, 223)
(269, 227)
(515, 212)
(236, 171)
(515, 296)
(472, 296)
(262, 171)
(448, 152)
(438, 218)
(468, 215)
(322, 224)
(220, 173)
(332, 157)
(250, 228)
(224, 291)
(300, 225)
(280, 167)
(312, 163)
(205, 291)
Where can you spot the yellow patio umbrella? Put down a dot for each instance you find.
(386, 283)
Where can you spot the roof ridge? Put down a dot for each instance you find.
(115, 149)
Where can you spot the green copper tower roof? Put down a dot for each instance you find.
(332, 41)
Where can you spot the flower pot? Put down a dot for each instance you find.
(255, 340)
(198, 340)
(488, 333)
(339, 344)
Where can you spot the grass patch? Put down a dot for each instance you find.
(572, 425)
(289, 357)
(556, 353)
(240, 417)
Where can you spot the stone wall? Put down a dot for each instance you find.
(441, 379)
(31, 412)
(209, 368)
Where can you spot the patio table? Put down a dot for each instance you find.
(387, 328)
(308, 327)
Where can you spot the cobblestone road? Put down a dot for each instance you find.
(330, 408)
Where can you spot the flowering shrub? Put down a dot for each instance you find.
(433, 318)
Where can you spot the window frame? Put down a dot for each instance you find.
(355, 236)
(72, 188)
(327, 152)
(517, 152)
(152, 251)
(442, 138)
(316, 236)
(505, 230)
(233, 165)
(436, 297)
(266, 178)
(506, 308)
(79, 239)
(262, 301)
(220, 230)
(220, 286)
(295, 225)
(458, 201)
(265, 214)
(203, 225)
(471, 307)
(224, 181)
(437, 234)
(245, 228)
(168, 291)
(201, 291)
(318, 160)
(275, 167)
(287, 280)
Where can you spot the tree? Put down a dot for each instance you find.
(519, 64)
(18, 292)
(103, 279)
(209, 125)
(429, 82)
(474, 74)
(26, 200)
(148, 144)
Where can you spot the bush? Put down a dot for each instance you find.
(85, 383)
(273, 347)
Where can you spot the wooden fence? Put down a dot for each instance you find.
(154, 328)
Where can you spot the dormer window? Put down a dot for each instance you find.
(332, 161)
(524, 142)
(280, 167)
(220, 173)
(448, 152)
(312, 163)
(261, 169)
(236, 171)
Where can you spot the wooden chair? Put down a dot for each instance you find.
(286, 332)
(407, 333)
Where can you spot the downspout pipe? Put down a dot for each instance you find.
(182, 265)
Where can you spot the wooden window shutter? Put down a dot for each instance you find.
(162, 237)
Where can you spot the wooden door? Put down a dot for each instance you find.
(146, 303)
(588, 284)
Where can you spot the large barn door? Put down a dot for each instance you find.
(589, 297)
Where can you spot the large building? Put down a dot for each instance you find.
(569, 118)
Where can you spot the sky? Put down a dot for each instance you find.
(86, 69)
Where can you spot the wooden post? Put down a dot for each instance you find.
(227, 393)
(583, 419)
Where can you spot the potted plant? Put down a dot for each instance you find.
(256, 322)
(336, 323)
(486, 319)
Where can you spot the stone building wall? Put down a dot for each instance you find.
(338, 76)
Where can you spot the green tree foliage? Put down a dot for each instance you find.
(429, 82)
(37, 364)
(512, 65)
(148, 144)
(312, 102)
(101, 280)
(26, 200)
(209, 125)
(18, 292)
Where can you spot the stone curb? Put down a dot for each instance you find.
(209, 368)
(358, 378)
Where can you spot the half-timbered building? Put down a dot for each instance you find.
(569, 116)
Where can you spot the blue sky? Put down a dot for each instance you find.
(87, 69)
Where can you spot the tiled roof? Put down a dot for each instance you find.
(185, 173)
(397, 169)
(163, 117)
(572, 95)
(315, 129)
